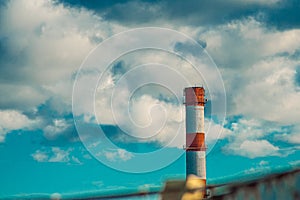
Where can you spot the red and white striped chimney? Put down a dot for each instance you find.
(195, 136)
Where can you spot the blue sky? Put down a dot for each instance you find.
(254, 44)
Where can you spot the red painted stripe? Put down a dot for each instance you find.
(195, 142)
(195, 96)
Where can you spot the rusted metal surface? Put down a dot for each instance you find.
(195, 96)
(195, 141)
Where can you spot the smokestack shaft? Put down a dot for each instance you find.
(195, 136)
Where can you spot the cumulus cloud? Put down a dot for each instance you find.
(292, 136)
(14, 120)
(154, 120)
(59, 155)
(249, 41)
(40, 156)
(271, 94)
(145, 101)
(263, 163)
(193, 13)
(257, 148)
(49, 44)
(295, 164)
(58, 127)
(148, 120)
(118, 154)
(40, 56)
(258, 63)
(258, 129)
(251, 138)
(259, 67)
(216, 131)
(55, 154)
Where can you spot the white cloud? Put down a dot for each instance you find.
(255, 74)
(20, 96)
(259, 2)
(249, 41)
(178, 13)
(252, 129)
(56, 39)
(87, 156)
(270, 93)
(292, 138)
(141, 115)
(295, 164)
(55, 154)
(253, 149)
(257, 148)
(150, 120)
(118, 154)
(58, 127)
(246, 132)
(247, 138)
(40, 156)
(14, 120)
(124, 155)
(76, 160)
(215, 131)
(49, 46)
(258, 76)
(145, 115)
(59, 155)
(263, 163)
(50, 43)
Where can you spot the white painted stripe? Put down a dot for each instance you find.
(201, 164)
(194, 119)
(196, 163)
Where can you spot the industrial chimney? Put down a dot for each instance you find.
(195, 137)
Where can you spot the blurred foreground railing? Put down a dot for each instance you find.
(281, 186)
